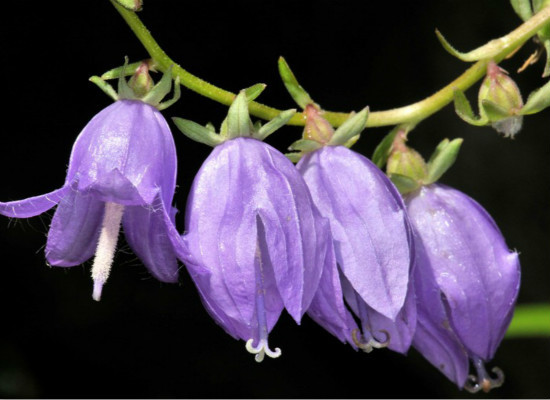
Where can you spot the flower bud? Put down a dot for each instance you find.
(500, 101)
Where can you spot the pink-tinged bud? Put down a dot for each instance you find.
(317, 128)
(500, 101)
(141, 82)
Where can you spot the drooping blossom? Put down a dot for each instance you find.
(368, 277)
(122, 170)
(256, 242)
(467, 284)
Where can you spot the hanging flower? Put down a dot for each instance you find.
(371, 237)
(473, 285)
(256, 242)
(122, 170)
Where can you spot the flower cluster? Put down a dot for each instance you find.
(333, 237)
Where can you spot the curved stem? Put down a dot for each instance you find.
(530, 320)
(411, 114)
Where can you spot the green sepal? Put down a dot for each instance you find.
(522, 8)
(464, 110)
(271, 126)
(160, 90)
(294, 157)
(124, 90)
(384, 148)
(298, 93)
(105, 87)
(537, 101)
(351, 141)
(493, 111)
(238, 119)
(404, 184)
(305, 145)
(487, 51)
(132, 5)
(197, 132)
(351, 127)
(254, 91)
(442, 159)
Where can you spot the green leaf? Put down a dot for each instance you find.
(105, 87)
(442, 159)
(275, 124)
(197, 132)
(238, 120)
(254, 91)
(488, 51)
(404, 184)
(464, 109)
(538, 100)
(294, 157)
(300, 96)
(383, 150)
(160, 90)
(351, 127)
(305, 145)
(522, 8)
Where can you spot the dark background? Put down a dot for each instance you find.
(148, 339)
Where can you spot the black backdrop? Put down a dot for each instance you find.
(147, 339)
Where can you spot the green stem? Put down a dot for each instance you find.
(411, 114)
(530, 320)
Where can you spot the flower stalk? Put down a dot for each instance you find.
(496, 50)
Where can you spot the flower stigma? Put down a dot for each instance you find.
(483, 381)
(106, 246)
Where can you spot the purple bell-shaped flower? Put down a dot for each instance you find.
(368, 278)
(257, 243)
(122, 170)
(474, 280)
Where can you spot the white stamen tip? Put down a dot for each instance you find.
(261, 350)
(106, 246)
(98, 287)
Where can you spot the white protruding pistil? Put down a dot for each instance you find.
(261, 350)
(106, 246)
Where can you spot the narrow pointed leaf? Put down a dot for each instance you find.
(129, 70)
(464, 110)
(300, 96)
(351, 141)
(254, 91)
(305, 145)
(351, 127)
(275, 124)
(485, 52)
(537, 101)
(383, 150)
(238, 120)
(444, 157)
(124, 90)
(197, 132)
(546, 72)
(107, 89)
(294, 157)
(160, 90)
(522, 8)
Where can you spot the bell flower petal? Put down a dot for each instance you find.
(368, 223)
(33, 206)
(473, 266)
(251, 223)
